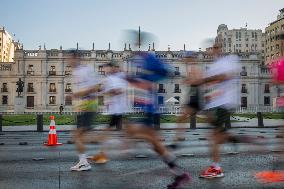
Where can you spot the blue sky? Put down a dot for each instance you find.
(174, 22)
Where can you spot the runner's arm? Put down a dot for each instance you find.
(86, 92)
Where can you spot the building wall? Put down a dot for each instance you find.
(241, 40)
(7, 46)
(274, 39)
(255, 77)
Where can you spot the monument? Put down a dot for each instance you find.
(19, 106)
(20, 87)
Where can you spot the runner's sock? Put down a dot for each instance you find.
(169, 159)
(82, 157)
(216, 165)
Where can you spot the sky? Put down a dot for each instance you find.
(174, 22)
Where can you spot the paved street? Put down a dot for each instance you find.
(18, 170)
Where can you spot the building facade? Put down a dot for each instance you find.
(7, 46)
(48, 78)
(274, 39)
(241, 40)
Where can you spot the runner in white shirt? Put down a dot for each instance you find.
(85, 89)
(116, 88)
(222, 84)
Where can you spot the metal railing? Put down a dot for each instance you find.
(244, 90)
(39, 121)
(30, 90)
(68, 72)
(170, 109)
(177, 91)
(30, 72)
(52, 73)
(161, 90)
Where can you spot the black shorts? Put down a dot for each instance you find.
(193, 103)
(85, 120)
(147, 120)
(219, 118)
(116, 120)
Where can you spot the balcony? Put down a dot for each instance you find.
(177, 73)
(266, 91)
(68, 90)
(4, 90)
(161, 91)
(177, 90)
(52, 90)
(68, 73)
(102, 73)
(30, 72)
(30, 90)
(243, 73)
(244, 105)
(68, 103)
(52, 73)
(265, 71)
(244, 91)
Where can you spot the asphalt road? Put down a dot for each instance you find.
(18, 170)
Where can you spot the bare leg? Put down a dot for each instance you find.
(149, 135)
(217, 139)
(182, 120)
(79, 140)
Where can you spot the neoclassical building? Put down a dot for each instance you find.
(240, 40)
(48, 78)
(274, 38)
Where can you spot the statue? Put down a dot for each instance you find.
(20, 85)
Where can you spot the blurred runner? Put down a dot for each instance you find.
(114, 89)
(86, 85)
(145, 95)
(193, 104)
(277, 174)
(221, 82)
(152, 70)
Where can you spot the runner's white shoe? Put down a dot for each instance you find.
(81, 166)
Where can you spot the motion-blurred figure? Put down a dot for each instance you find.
(114, 89)
(277, 174)
(222, 95)
(86, 86)
(193, 104)
(152, 70)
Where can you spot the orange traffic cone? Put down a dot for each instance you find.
(52, 136)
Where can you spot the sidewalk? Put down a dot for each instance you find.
(245, 122)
